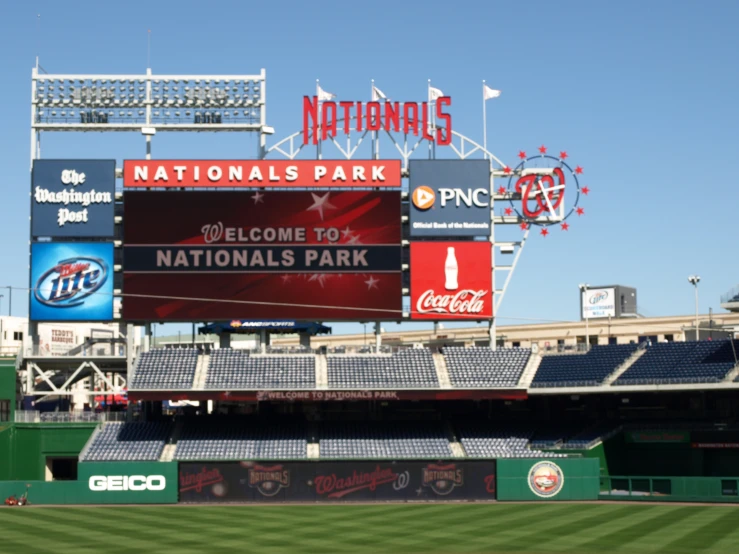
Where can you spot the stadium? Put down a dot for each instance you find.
(613, 432)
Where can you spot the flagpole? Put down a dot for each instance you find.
(318, 127)
(374, 133)
(484, 122)
(430, 116)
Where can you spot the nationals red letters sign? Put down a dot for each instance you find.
(221, 255)
(451, 280)
(260, 173)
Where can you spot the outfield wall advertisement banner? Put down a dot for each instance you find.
(336, 481)
(73, 198)
(273, 254)
(261, 173)
(451, 280)
(449, 198)
(71, 281)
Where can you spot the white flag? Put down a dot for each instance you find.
(377, 94)
(323, 95)
(488, 93)
(434, 93)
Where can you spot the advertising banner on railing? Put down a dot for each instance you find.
(343, 481)
(220, 255)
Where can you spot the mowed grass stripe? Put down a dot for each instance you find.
(653, 519)
(570, 523)
(722, 523)
(408, 528)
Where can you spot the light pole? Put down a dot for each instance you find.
(584, 295)
(694, 280)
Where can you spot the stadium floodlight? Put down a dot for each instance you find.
(694, 280)
(584, 294)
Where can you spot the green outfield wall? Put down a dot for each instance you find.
(548, 479)
(104, 483)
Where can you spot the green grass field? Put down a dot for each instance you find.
(421, 528)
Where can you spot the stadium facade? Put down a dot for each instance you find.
(640, 411)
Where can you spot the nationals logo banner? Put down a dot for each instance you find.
(220, 255)
(451, 280)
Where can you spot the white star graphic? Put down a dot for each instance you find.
(347, 232)
(258, 198)
(286, 278)
(371, 283)
(354, 240)
(321, 203)
(313, 277)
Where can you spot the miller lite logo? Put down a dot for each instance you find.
(599, 296)
(70, 282)
(442, 478)
(268, 480)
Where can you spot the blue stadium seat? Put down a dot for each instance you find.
(230, 369)
(485, 367)
(408, 368)
(165, 369)
(582, 370)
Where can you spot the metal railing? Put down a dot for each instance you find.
(731, 296)
(28, 416)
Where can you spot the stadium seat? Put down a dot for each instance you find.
(582, 370)
(485, 367)
(165, 368)
(673, 363)
(390, 441)
(232, 439)
(128, 442)
(230, 369)
(487, 440)
(408, 368)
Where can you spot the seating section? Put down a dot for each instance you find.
(582, 370)
(128, 442)
(590, 437)
(485, 367)
(682, 362)
(486, 440)
(409, 368)
(236, 369)
(384, 440)
(228, 439)
(166, 368)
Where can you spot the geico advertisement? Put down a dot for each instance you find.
(449, 198)
(71, 281)
(100, 483)
(451, 280)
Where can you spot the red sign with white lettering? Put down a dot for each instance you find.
(451, 280)
(261, 173)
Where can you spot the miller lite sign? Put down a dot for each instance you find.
(71, 281)
(451, 280)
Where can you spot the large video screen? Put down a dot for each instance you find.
(214, 255)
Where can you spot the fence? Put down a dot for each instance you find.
(28, 416)
(670, 489)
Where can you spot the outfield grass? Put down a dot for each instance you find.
(419, 528)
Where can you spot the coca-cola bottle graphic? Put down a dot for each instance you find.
(451, 270)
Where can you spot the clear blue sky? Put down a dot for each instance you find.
(642, 94)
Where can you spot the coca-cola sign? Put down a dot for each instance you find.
(451, 280)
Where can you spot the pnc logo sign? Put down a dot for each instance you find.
(101, 483)
(423, 197)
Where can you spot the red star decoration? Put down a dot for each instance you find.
(544, 232)
(563, 154)
(507, 169)
(585, 190)
(508, 211)
(543, 149)
(521, 154)
(580, 211)
(565, 226)
(501, 190)
(578, 170)
(524, 226)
